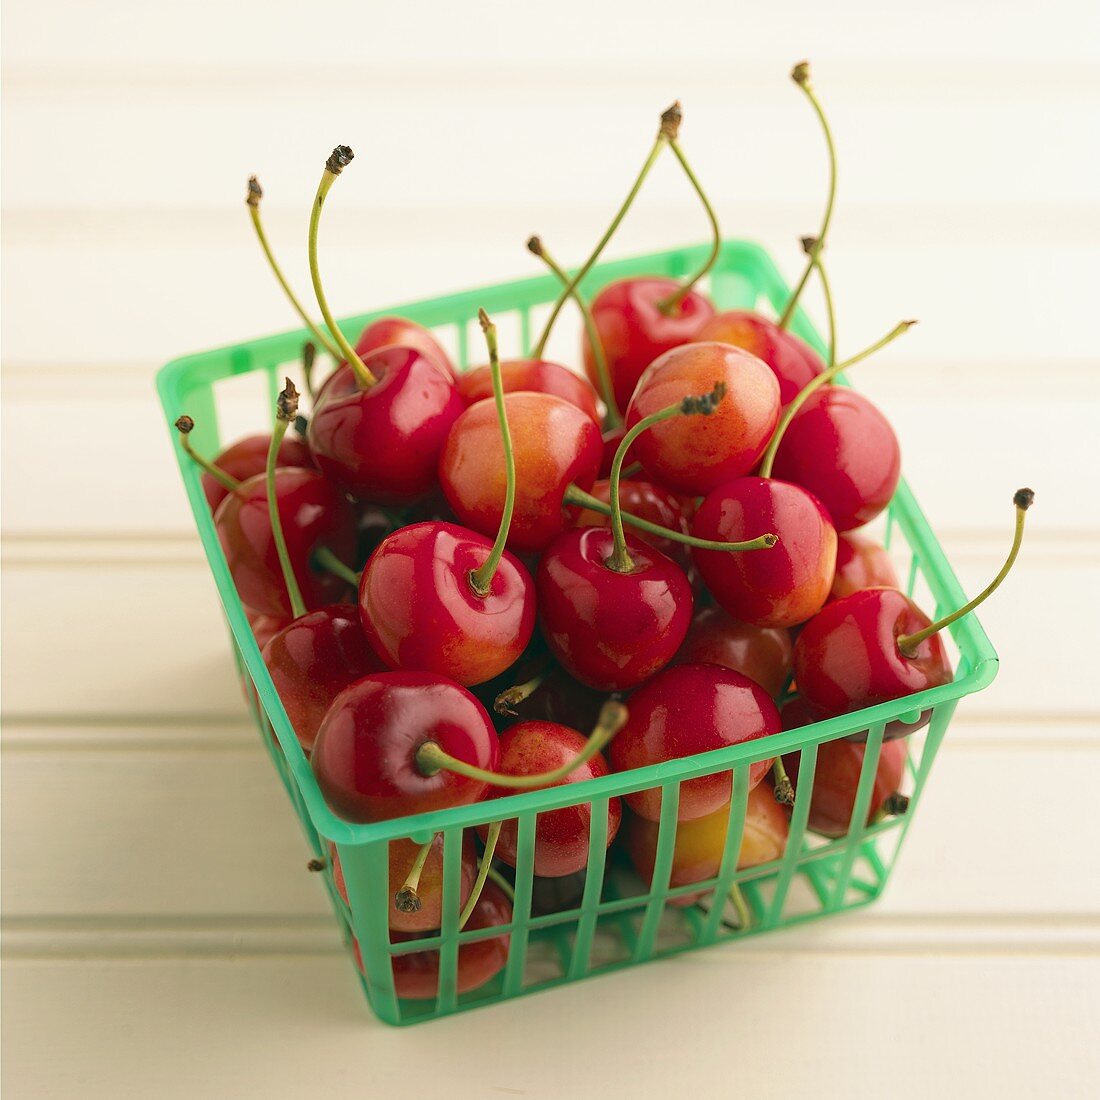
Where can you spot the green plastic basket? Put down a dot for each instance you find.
(616, 922)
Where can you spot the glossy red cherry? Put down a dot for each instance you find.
(389, 331)
(248, 457)
(695, 456)
(792, 360)
(556, 446)
(561, 836)
(843, 450)
(312, 659)
(762, 653)
(531, 376)
(265, 627)
(861, 563)
(314, 514)
(611, 629)
(382, 443)
(365, 754)
(689, 709)
(781, 586)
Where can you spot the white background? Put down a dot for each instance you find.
(161, 937)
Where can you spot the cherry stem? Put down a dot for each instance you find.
(909, 643)
(578, 498)
(784, 788)
(482, 578)
(827, 293)
(510, 698)
(800, 74)
(670, 127)
(482, 873)
(505, 886)
(431, 758)
(816, 383)
(252, 200)
(744, 917)
(286, 409)
(325, 559)
(607, 391)
(671, 304)
(896, 804)
(309, 357)
(340, 158)
(407, 900)
(185, 425)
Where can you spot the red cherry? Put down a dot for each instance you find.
(781, 586)
(248, 457)
(265, 627)
(420, 611)
(843, 450)
(556, 446)
(365, 754)
(561, 836)
(649, 502)
(861, 563)
(694, 456)
(762, 653)
(382, 443)
(388, 331)
(792, 360)
(689, 709)
(312, 659)
(634, 330)
(313, 514)
(531, 376)
(611, 629)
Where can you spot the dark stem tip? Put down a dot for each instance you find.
(301, 425)
(287, 406)
(770, 540)
(784, 792)
(483, 320)
(506, 701)
(896, 804)
(309, 354)
(316, 865)
(534, 245)
(185, 425)
(406, 900)
(255, 192)
(670, 121)
(1023, 498)
(800, 74)
(910, 324)
(808, 244)
(339, 159)
(703, 404)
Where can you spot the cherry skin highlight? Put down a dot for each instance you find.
(783, 585)
(861, 563)
(531, 376)
(248, 457)
(312, 659)
(792, 360)
(561, 836)
(842, 449)
(364, 756)
(694, 455)
(689, 709)
(382, 444)
(387, 331)
(555, 445)
(633, 331)
(611, 630)
(313, 514)
(420, 612)
(762, 653)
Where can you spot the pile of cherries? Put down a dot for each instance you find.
(517, 577)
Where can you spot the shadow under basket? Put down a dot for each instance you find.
(612, 920)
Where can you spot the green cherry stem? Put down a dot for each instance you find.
(505, 886)
(669, 128)
(481, 578)
(800, 74)
(510, 698)
(607, 391)
(325, 559)
(252, 201)
(286, 410)
(340, 158)
(491, 838)
(309, 357)
(808, 244)
(784, 788)
(185, 426)
(406, 899)
(815, 384)
(909, 643)
(431, 758)
(744, 917)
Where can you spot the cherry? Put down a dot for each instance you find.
(439, 598)
(861, 563)
(416, 974)
(377, 429)
(689, 709)
(762, 653)
(877, 645)
(533, 376)
(561, 836)
(399, 331)
(693, 457)
(264, 627)
(701, 843)
(612, 437)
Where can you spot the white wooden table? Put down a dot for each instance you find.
(161, 937)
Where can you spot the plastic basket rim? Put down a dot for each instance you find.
(968, 632)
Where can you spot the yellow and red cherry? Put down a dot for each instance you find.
(861, 563)
(399, 331)
(762, 653)
(531, 376)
